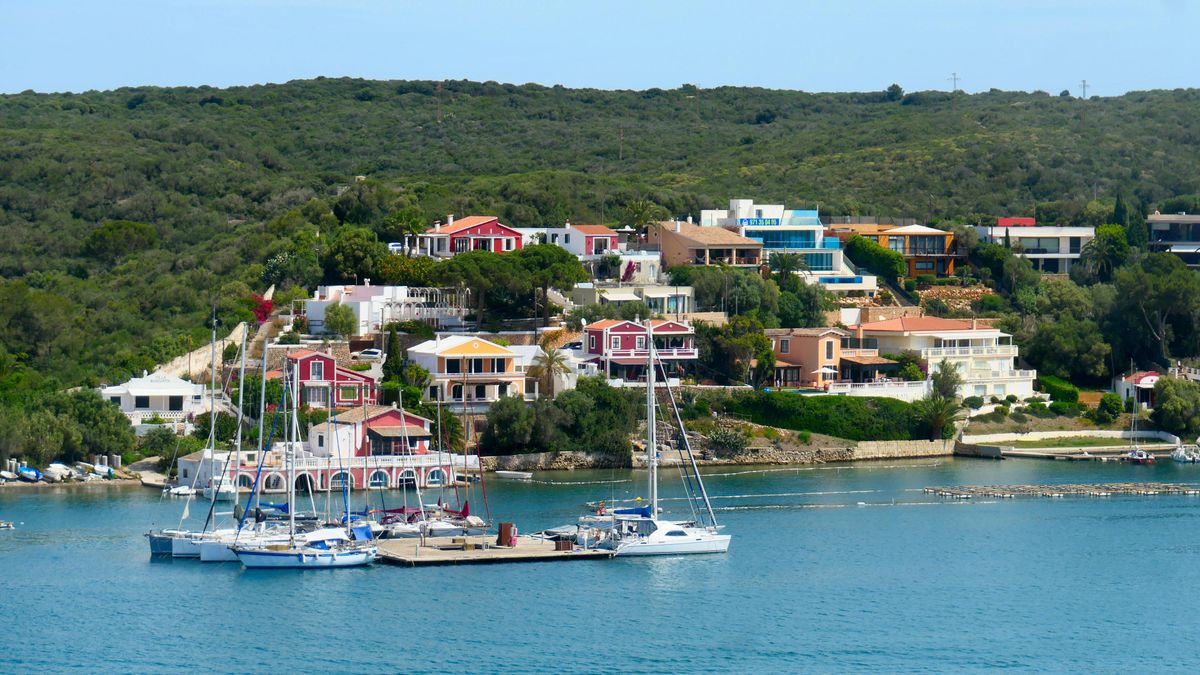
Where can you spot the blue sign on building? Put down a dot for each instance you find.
(757, 222)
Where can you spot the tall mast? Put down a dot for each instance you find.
(651, 422)
(241, 412)
(262, 409)
(416, 479)
(290, 454)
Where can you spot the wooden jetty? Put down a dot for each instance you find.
(1066, 490)
(477, 550)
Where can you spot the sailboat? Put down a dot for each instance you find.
(640, 531)
(349, 547)
(1136, 455)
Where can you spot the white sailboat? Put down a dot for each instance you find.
(349, 547)
(640, 531)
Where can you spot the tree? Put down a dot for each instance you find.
(549, 266)
(115, 239)
(1177, 406)
(894, 92)
(406, 271)
(1106, 252)
(805, 307)
(1120, 214)
(1109, 409)
(1070, 348)
(548, 365)
(340, 320)
(1157, 301)
(226, 427)
(403, 225)
(394, 361)
(946, 380)
(786, 265)
(641, 213)
(489, 276)
(354, 254)
(937, 414)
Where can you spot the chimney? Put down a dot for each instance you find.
(366, 282)
(974, 324)
(568, 224)
(437, 226)
(678, 226)
(449, 219)
(858, 333)
(144, 373)
(689, 219)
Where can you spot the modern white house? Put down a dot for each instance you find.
(985, 356)
(591, 243)
(377, 306)
(1177, 233)
(1050, 248)
(783, 230)
(660, 298)
(158, 395)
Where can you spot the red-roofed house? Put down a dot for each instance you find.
(1139, 385)
(619, 348)
(585, 241)
(473, 233)
(321, 377)
(985, 356)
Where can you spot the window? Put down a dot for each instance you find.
(141, 402)
(476, 365)
(508, 244)
(785, 345)
(347, 393)
(320, 440)
(115, 400)
(829, 349)
(480, 392)
(316, 370)
(453, 366)
(641, 342)
(433, 393)
(677, 533)
(615, 343)
(927, 245)
(567, 238)
(456, 392)
(175, 403)
(896, 244)
(554, 238)
(925, 265)
(591, 344)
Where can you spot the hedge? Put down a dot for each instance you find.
(1059, 389)
(856, 418)
(879, 260)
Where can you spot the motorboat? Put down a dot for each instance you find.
(6, 525)
(29, 474)
(514, 475)
(180, 491)
(1186, 455)
(221, 491)
(8, 475)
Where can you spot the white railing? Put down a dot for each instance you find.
(860, 352)
(680, 353)
(618, 382)
(981, 375)
(906, 391)
(994, 350)
(387, 461)
(512, 374)
(141, 416)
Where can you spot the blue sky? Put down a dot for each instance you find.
(835, 45)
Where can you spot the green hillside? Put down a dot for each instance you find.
(220, 176)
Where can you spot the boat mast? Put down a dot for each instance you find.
(241, 413)
(651, 421)
(262, 413)
(290, 455)
(212, 413)
(411, 463)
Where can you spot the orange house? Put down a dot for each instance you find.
(927, 250)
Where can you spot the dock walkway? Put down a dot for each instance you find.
(477, 550)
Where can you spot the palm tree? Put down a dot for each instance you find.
(936, 412)
(642, 213)
(786, 265)
(548, 364)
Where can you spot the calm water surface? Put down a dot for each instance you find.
(832, 568)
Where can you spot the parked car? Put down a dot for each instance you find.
(369, 355)
(396, 247)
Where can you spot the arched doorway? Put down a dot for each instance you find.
(304, 483)
(406, 479)
(340, 480)
(274, 483)
(435, 477)
(245, 481)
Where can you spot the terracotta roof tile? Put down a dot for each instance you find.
(919, 323)
(710, 236)
(463, 224)
(594, 229)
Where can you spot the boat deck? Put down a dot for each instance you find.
(476, 550)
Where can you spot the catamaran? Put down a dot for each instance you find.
(639, 531)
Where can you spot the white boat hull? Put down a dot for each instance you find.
(224, 494)
(713, 543)
(306, 558)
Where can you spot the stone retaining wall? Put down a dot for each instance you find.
(1093, 433)
(903, 449)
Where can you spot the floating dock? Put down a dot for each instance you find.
(477, 550)
(1066, 490)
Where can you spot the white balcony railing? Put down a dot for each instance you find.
(907, 391)
(458, 377)
(681, 353)
(944, 352)
(387, 461)
(974, 376)
(859, 352)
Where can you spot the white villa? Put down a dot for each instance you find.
(157, 395)
(783, 230)
(985, 357)
(1050, 248)
(376, 306)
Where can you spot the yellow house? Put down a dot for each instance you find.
(468, 372)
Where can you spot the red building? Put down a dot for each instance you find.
(1016, 222)
(620, 349)
(322, 381)
(473, 233)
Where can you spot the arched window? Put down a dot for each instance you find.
(304, 483)
(340, 480)
(456, 392)
(435, 477)
(274, 483)
(379, 480)
(407, 478)
(245, 481)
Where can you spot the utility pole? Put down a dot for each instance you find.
(954, 78)
(1083, 110)
(1083, 85)
(621, 146)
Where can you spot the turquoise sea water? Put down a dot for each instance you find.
(832, 568)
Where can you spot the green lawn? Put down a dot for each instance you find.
(1076, 442)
